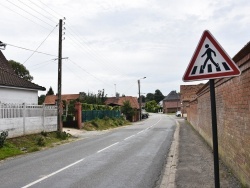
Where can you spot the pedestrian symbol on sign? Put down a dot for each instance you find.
(209, 52)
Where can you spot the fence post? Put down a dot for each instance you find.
(43, 120)
(24, 117)
(78, 114)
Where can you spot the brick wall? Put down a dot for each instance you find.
(233, 117)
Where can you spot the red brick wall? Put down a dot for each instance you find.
(233, 119)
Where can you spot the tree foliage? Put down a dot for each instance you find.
(150, 97)
(92, 98)
(50, 91)
(158, 96)
(21, 70)
(41, 99)
(151, 106)
(127, 110)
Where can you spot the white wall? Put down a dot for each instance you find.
(14, 95)
(30, 125)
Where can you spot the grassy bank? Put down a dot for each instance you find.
(30, 143)
(105, 123)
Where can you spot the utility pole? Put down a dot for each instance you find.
(59, 99)
(139, 88)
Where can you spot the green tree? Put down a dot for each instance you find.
(21, 70)
(150, 97)
(158, 96)
(151, 106)
(127, 110)
(41, 99)
(50, 91)
(92, 98)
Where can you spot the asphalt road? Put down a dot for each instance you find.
(131, 156)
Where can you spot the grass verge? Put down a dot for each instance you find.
(30, 143)
(105, 123)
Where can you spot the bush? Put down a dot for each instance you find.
(41, 141)
(44, 133)
(62, 135)
(3, 137)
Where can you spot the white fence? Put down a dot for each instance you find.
(22, 119)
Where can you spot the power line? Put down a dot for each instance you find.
(36, 11)
(39, 45)
(51, 9)
(30, 50)
(23, 16)
(30, 13)
(43, 9)
(89, 73)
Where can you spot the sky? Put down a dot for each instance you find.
(111, 44)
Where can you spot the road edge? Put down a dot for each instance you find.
(168, 179)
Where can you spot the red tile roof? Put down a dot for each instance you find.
(120, 100)
(51, 99)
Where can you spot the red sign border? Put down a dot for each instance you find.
(235, 72)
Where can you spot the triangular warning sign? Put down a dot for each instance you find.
(210, 61)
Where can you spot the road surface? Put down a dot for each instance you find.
(131, 156)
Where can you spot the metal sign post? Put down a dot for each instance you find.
(215, 135)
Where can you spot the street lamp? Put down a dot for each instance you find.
(139, 88)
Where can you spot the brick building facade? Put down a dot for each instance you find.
(233, 117)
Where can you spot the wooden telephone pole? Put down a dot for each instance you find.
(59, 99)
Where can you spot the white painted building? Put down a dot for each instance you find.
(14, 89)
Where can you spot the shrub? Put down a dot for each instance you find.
(62, 135)
(44, 133)
(3, 137)
(41, 141)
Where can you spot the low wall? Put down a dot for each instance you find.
(233, 117)
(22, 119)
(18, 127)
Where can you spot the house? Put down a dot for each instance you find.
(118, 101)
(14, 89)
(171, 103)
(51, 99)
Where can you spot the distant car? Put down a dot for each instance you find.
(178, 113)
(144, 114)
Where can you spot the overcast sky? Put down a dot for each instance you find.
(110, 44)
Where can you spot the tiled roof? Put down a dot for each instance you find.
(120, 100)
(172, 96)
(51, 99)
(4, 63)
(10, 79)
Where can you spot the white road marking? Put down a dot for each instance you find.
(140, 132)
(129, 137)
(52, 174)
(107, 147)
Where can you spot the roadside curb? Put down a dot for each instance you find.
(168, 179)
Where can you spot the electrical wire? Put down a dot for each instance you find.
(29, 13)
(30, 50)
(60, 16)
(36, 11)
(89, 73)
(43, 9)
(23, 16)
(39, 45)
